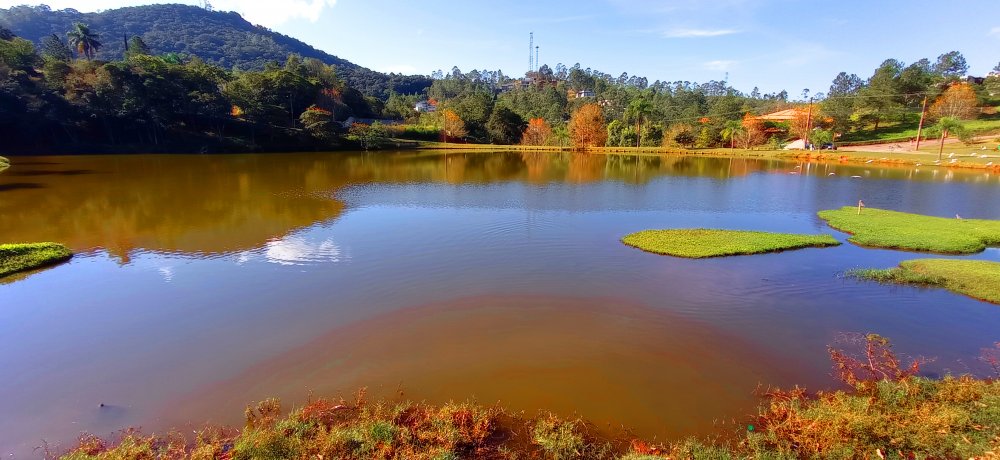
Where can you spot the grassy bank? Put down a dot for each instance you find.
(15, 258)
(979, 279)
(899, 230)
(922, 159)
(888, 413)
(701, 243)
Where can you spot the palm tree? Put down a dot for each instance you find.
(638, 110)
(732, 129)
(84, 40)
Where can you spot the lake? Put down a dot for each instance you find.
(205, 282)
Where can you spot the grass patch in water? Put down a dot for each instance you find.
(15, 258)
(700, 243)
(979, 279)
(889, 412)
(899, 230)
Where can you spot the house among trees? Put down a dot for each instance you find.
(425, 107)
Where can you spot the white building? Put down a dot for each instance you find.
(424, 106)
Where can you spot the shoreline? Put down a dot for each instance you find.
(991, 163)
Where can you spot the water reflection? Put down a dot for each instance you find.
(224, 204)
(497, 275)
(293, 250)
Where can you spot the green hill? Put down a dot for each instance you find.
(224, 39)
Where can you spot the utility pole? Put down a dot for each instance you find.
(809, 121)
(920, 127)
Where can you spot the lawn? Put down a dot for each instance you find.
(978, 279)
(907, 128)
(701, 243)
(881, 228)
(16, 258)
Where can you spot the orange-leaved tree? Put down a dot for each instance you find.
(586, 127)
(800, 125)
(538, 132)
(454, 127)
(753, 131)
(958, 101)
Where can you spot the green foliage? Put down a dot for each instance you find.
(505, 126)
(219, 38)
(911, 418)
(17, 53)
(318, 122)
(84, 41)
(684, 138)
(137, 47)
(559, 439)
(700, 243)
(914, 232)
(368, 137)
(15, 258)
(975, 278)
(401, 106)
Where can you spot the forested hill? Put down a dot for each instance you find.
(225, 39)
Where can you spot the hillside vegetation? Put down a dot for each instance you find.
(224, 39)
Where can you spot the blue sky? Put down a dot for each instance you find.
(771, 44)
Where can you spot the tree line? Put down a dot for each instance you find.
(65, 94)
(61, 96)
(543, 108)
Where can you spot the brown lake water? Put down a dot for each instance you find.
(205, 282)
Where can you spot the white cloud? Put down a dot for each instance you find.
(698, 33)
(719, 65)
(994, 32)
(263, 12)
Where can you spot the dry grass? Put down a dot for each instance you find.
(889, 413)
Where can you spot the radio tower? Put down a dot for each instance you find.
(537, 62)
(531, 57)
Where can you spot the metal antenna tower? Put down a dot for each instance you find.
(537, 63)
(531, 57)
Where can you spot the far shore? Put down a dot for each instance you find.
(954, 157)
(922, 158)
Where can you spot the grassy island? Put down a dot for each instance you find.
(899, 230)
(889, 412)
(700, 243)
(15, 258)
(979, 279)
